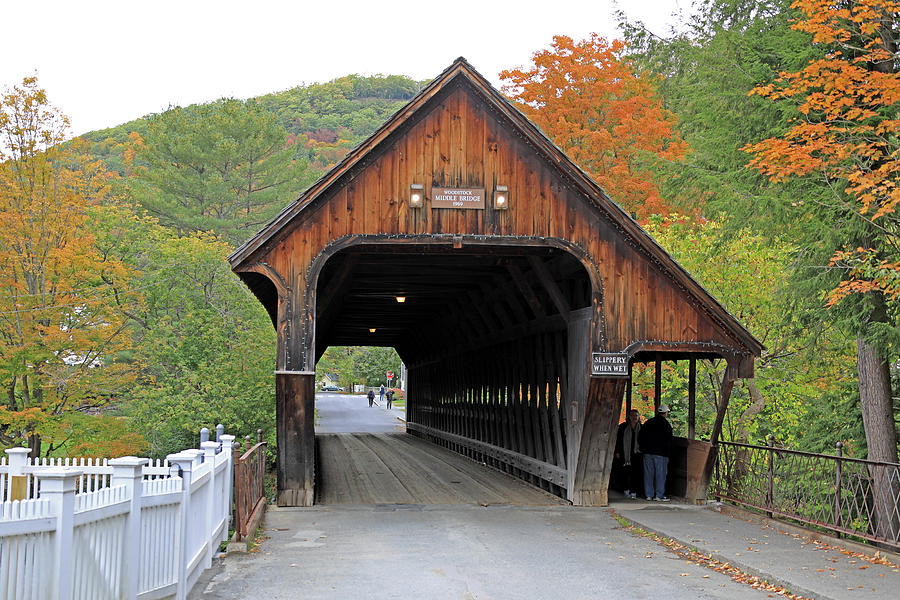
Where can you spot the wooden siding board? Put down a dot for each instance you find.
(641, 301)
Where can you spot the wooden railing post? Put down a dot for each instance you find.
(184, 461)
(128, 471)
(58, 486)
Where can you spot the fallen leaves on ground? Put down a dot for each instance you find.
(707, 561)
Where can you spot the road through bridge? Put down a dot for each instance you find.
(366, 458)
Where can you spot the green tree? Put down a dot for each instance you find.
(365, 365)
(747, 272)
(206, 346)
(843, 138)
(725, 51)
(222, 167)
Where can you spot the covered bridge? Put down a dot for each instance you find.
(528, 293)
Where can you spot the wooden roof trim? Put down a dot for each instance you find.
(538, 140)
(336, 172)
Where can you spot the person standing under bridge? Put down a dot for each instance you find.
(628, 454)
(655, 440)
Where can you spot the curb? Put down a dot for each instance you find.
(769, 577)
(818, 536)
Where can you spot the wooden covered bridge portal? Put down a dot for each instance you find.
(528, 292)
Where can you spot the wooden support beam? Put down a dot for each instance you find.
(598, 441)
(692, 399)
(519, 279)
(657, 383)
(492, 301)
(546, 279)
(628, 390)
(724, 398)
(295, 394)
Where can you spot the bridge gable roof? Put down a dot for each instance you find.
(461, 74)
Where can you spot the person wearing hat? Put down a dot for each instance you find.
(656, 443)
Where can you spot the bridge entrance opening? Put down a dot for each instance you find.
(483, 331)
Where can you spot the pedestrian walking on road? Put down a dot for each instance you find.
(381, 392)
(371, 396)
(655, 440)
(390, 398)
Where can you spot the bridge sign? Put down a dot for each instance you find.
(609, 364)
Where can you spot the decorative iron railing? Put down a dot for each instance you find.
(846, 495)
(249, 484)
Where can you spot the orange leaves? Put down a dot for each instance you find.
(866, 273)
(606, 116)
(847, 130)
(60, 319)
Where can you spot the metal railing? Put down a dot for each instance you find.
(846, 495)
(249, 484)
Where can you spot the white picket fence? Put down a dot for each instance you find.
(119, 529)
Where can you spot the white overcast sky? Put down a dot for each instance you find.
(105, 62)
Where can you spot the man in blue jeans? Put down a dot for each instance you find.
(656, 443)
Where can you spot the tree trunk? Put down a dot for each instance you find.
(876, 402)
(881, 435)
(757, 404)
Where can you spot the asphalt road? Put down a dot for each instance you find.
(460, 553)
(350, 413)
(465, 552)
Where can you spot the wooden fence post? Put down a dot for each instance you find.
(58, 486)
(128, 471)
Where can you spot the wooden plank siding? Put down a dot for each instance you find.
(518, 298)
(641, 301)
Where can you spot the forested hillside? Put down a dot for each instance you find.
(759, 146)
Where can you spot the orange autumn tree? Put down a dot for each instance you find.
(61, 289)
(845, 140)
(848, 131)
(603, 113)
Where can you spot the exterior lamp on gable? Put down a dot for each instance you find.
(416, 195)
(501, 197)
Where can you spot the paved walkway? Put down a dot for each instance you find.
(757, 546)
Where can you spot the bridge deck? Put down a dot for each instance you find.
(397, 468)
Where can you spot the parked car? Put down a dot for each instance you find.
(332, 388)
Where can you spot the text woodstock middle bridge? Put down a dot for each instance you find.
(528, 295)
